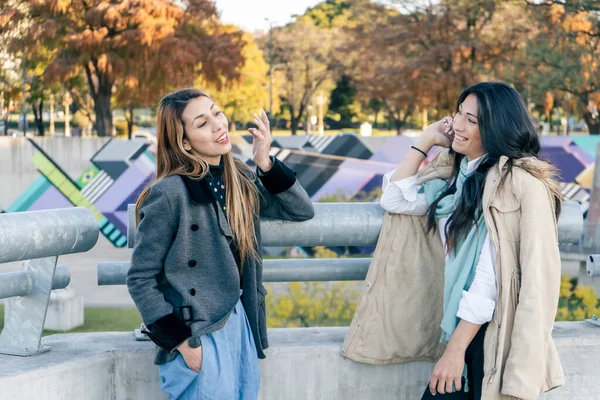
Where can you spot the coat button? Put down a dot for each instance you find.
(194, 227)
(192, 263)
(193, 291)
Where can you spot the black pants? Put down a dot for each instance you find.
(474, 361)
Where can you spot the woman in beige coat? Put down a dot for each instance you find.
(469, 254)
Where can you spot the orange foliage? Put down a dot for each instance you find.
(144, 47)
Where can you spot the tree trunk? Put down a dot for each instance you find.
(81, 104)
(294, 122)
(104, 121)
(5, 116)
(400, 119)
(397, 119)
(298, 118)
(592, 123)
(129, 121)
(398, 124)
(100, 85)
(37, 115)
(6, 124)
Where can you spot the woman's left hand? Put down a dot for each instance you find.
(262, 141)
(448, 370)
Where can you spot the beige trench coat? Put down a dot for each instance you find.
(400, 310)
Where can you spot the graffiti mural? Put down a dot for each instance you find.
(117, 174)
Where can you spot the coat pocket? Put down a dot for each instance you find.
(506, 211)
(515, 287)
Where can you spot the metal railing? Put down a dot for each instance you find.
(589, 241)
(38, 237)
(334, 224)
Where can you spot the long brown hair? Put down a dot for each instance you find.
(172, 159)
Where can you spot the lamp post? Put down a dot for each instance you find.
(270, 67)
(67, 101)
(321, 103)
(51, 113)
(24, 94)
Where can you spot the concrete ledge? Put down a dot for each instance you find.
(301, 364)
(90, 366)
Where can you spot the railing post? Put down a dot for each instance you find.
(22, 332)
(40, 237)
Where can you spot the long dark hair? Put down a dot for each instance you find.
(506, 130)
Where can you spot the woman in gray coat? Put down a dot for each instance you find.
(196, 268)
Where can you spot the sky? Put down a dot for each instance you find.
(250, 14)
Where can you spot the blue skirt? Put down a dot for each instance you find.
(229, 369)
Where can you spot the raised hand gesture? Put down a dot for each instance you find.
(261, 144)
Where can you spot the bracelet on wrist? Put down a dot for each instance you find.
(419, 150)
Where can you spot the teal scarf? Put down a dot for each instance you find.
(461, 262)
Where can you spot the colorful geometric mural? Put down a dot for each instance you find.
(323, 172)
(325, 166)
(118, 173)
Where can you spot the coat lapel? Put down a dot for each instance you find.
(200, 194)
(198, 190)
(223, 223)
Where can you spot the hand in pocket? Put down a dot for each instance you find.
(191, 356)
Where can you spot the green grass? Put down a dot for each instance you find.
(98, 319)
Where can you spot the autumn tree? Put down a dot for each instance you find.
(9, 91)
(134, 43)
(9, 84)
(565, 55)
(239, 99)
(34, 57)
(333, 13)
(40, 86)
(381, 70)
(419, 54)
(12, 26)
(341, 15)
(308, 56)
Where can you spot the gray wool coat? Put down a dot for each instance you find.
(184, 278)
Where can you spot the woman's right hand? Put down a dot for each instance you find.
(439, 133)
(192, 356)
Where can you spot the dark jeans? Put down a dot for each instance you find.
(474, 361)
